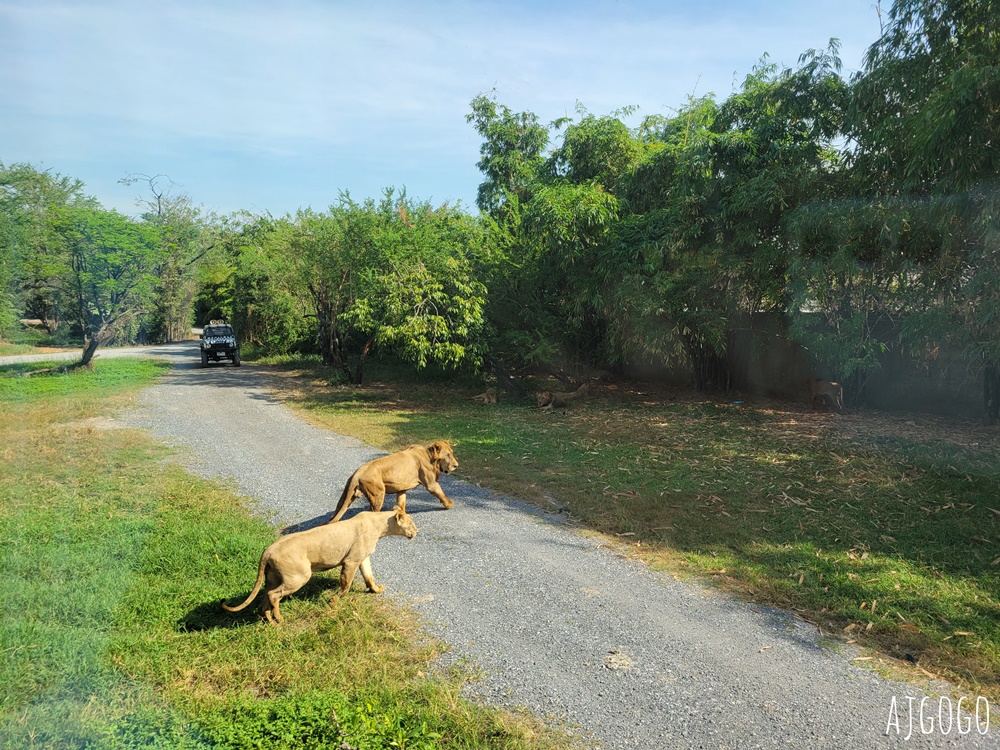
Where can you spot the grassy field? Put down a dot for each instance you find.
(882, 530)
(24, 339)
(114, 563)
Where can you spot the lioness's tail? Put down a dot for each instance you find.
(346, 498)
(256, 586)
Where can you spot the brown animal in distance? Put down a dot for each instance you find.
(826, 390)
(287, 565)
(489, 396)
(397, 473)
(547, 400)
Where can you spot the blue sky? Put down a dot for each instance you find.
(275, 106)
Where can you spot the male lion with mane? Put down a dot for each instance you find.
(289, 563)
(398, 472)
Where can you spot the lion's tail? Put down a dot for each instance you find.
(256, 587)
(346, 497)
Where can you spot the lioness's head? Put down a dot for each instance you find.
(404, 523)
(543, 398)
(442, 456)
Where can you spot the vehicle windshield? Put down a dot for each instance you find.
(217, 331)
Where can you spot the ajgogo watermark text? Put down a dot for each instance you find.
(943, 716)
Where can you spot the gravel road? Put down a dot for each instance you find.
(557, 623)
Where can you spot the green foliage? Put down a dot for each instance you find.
(563, 228)
(550, 219)
(8, 265)
(31, 248)
(256, 292)
(512, 155)
(416, 293)
(658, 241)
(925, 107)
(669, 296)
(187, 237)
(395, 274)
(320, 719)
(108, 270)
(596, 149)
(799, 194)
(901, 254)
(72, 261)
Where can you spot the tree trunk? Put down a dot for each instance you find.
(327, 340)
(504, 377)
(88, 352)
(337, 355)
(359, 373)
(709, 368)
(991, 392)
(330, 344)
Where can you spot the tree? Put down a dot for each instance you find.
(188, 237)
(549, 216)
(560, 321)
(107, 270)
(73, 260)
(512, 156)
(398, 277)
(703, 247)
(596, 149)
(8, 263)
(256, 290)
(925, 116)
(394, 274)
(31, 250)
(664, 269)
(657, 241)
(925, 123)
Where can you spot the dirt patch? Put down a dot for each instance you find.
(96, 423)
(802, 421)
(920, 428)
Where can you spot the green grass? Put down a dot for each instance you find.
(890, 542)
(115, 560)
(22, 339)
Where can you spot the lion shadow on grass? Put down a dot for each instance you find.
(210, 615)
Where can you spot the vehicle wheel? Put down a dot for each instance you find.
(236, 358)
(204, 359)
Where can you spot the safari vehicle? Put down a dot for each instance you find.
(218, 341)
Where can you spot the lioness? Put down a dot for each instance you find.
(289, 563)
(828, 390)
(398, 472)
(489, 396)
(550, 400)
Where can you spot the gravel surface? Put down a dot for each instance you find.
(556, 622)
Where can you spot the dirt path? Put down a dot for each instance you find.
(556, 622)
(180, 349)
